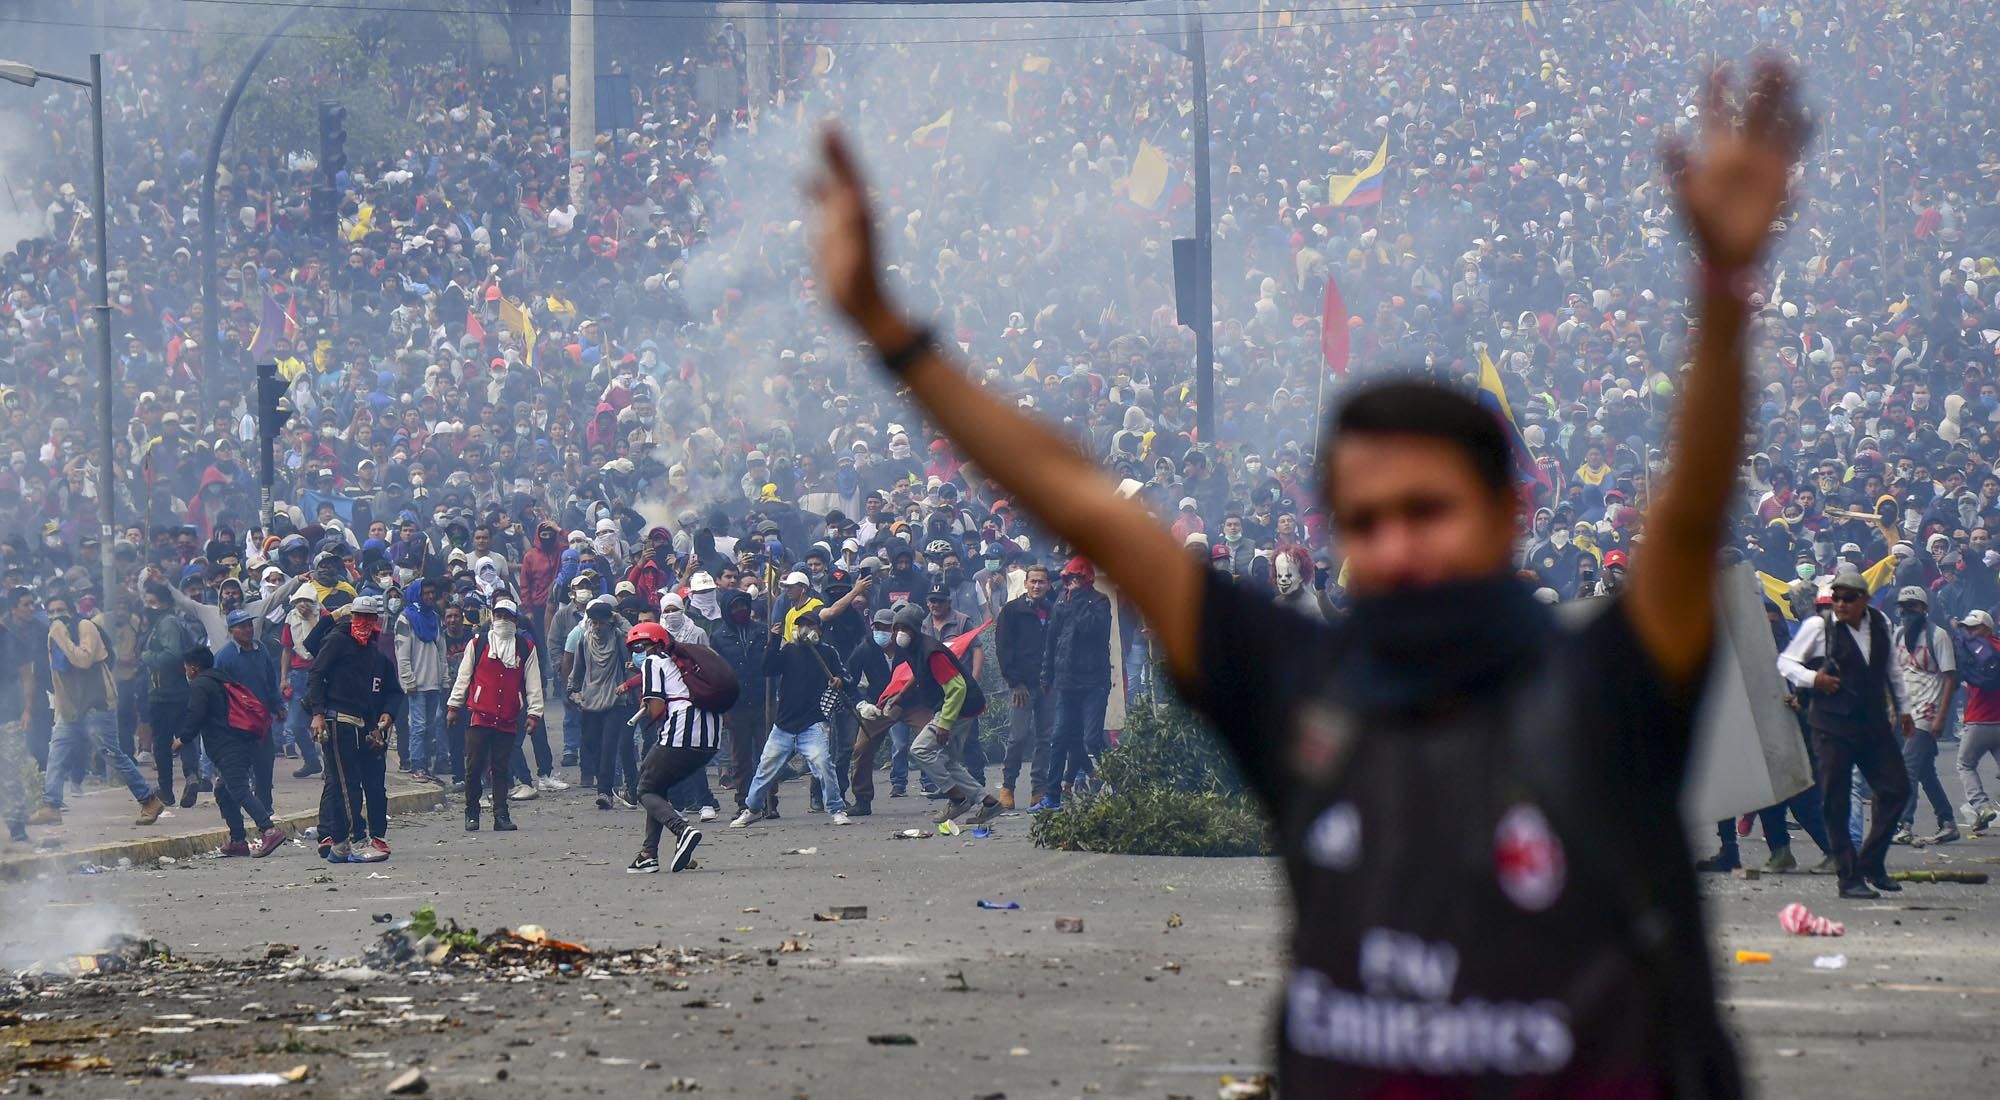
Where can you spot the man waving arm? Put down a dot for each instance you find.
(1041, 471)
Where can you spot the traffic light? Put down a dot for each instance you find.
(332, 140)
(273, 411)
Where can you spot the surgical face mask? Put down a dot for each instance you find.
(1560, 538)
(903, 639)
(579, 597)
(1807, 570)
(1232, 537)
(993, 564)
(882, 638)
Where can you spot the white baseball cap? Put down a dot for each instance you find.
(796, 577)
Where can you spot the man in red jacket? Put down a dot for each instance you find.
(499, 683)
(539, 567)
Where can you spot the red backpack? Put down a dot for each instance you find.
(247, 713)
(711, 683)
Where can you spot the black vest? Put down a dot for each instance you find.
(1861, 706)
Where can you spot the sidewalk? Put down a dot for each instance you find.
(97, 825)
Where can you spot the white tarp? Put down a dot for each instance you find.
(1747, 750)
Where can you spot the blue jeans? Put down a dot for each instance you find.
(99, 727)
(426, 727)
(815, 744)
(572, 728)
(1076, 730)
(298, 724)
(900, 736)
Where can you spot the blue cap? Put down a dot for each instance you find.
(239, 616)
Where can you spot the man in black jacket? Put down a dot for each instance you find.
(805, 668)
(1076, 672)
(740, 639)
(164, 646)
(350, 693)
(232, 750)
(1021, 636)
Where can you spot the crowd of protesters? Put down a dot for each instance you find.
(573, 417)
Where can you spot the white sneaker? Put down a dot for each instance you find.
(840, 818)
(485, 801)
(623, 803)
(550, 783)
(708, 813)
(522, 792)
(746, 817)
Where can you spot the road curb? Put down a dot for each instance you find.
(144, 849)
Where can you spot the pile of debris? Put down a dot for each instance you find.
(425, 945)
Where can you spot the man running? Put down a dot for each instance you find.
(684, 738)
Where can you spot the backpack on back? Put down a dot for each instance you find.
(1978, 661)
(711, 683)
(247, 713)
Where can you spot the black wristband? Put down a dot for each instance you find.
(898, 361)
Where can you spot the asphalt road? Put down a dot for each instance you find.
(1168, 986)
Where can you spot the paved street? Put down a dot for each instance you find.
(1139, 1004)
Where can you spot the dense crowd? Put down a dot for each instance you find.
(635, 408)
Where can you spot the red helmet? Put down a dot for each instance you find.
(649, 633)
(1616, 558)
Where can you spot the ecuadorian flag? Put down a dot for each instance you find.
(1493, 398)
(1151, 182)
(1363, 188)
(934, 135)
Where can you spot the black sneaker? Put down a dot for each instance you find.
(305, 773)
(472, 823)
(1884, 883)
(643, 864)
(1718, 864)
(603, 801)
(684, 851)
(897, 792)
(860, 809)
(1857, 891)
(569, 760)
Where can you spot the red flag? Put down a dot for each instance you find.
(473, 328)
(1335, 341)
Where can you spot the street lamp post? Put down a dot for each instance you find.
(27, 76)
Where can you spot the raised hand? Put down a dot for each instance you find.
(845, 249)
(1734, 181)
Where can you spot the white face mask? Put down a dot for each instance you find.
(676, 618)
(503, 628)
(1560, 538)
(903, 639)
(579, 597)
(1286, 573)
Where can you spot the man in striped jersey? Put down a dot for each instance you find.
(684, 739)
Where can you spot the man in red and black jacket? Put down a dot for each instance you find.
(499, 684)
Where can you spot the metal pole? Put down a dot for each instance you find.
(1204, 314)
(106, 599)
(211, 345)
(582, 99)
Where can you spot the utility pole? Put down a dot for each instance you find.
(28, 76)
(211, 347)
(582, 97)
(106, 483)
(1204, 241)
